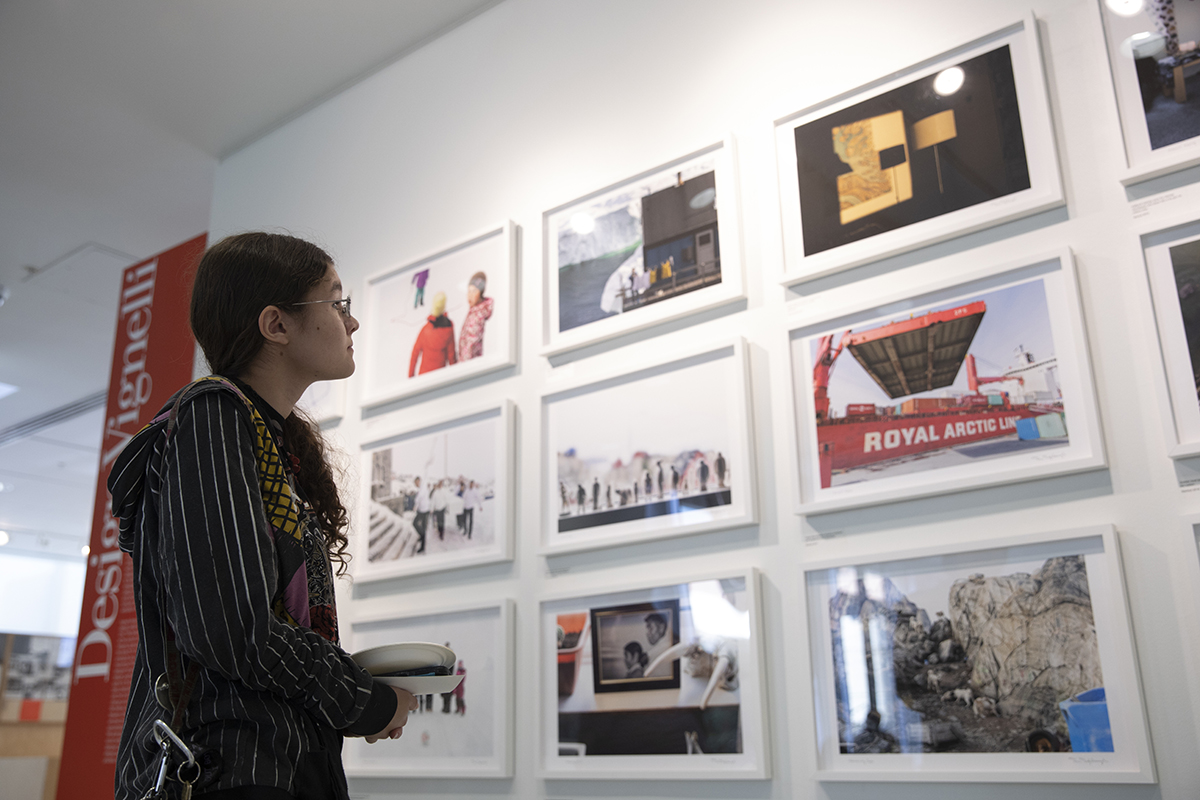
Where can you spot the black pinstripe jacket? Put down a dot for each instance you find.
(271, 698)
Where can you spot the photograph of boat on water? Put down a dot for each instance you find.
(658, 451)
(442, 318)
(956, 144)
(1010, 656)
(969, 380)
(963, 385)
(651, 248)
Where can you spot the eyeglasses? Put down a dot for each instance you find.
(342, 305)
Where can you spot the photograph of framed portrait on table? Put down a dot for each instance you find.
(955, 144)
(1156, 76)
(652, 248)
(1009, 660)
(442, 318)
(1173, 268)
(966, 382)
(648, 450)
(438, 495)
(464, 733)
(655, 683)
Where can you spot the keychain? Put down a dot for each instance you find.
(186, 774)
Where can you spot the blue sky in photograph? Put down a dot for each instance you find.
(1016, 316)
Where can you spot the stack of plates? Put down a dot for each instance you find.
(379, 661)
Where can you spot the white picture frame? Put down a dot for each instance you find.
(732, 603)
(1177, 394)
(819, 239)
(1148, 153)
(629, 442)
(387, 540)
(1190, 532)
(324, 401)
(589, 317)
(986, 739)
(865, 464)
(397, 304)
(482, 637)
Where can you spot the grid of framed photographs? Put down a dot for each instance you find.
(924, 667)
(466, 733)
(662, 449)
(655, 247)
(655, 683)
(957, 143)
(1003, 661)
(442, 318)
(439, 495)
(959, 384)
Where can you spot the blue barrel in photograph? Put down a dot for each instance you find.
(1087, 722)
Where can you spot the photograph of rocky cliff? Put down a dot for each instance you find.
(958, 661)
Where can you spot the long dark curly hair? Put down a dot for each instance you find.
(236, 279)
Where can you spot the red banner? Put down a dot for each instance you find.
(152, 357)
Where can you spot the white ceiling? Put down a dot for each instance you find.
(113, 117)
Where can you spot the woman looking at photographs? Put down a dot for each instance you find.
(233, 567)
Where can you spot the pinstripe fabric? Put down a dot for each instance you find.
(272, 696)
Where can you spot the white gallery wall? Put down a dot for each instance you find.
(535, 103)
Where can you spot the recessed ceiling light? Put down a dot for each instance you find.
(6, 388)
(3, 538)
(85, 549)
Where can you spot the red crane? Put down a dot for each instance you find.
(826, 356)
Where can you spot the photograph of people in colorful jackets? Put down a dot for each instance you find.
(470, 345)
(435, 345)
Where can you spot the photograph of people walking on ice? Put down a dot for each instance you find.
(657, 450)
(646, 241)
(958, 382)
(434, 493)
(973, 656)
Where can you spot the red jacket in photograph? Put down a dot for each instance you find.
(434, 347)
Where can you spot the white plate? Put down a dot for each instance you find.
(407, 655)
(425, 684)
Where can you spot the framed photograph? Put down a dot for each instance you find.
(695, 710)
(1173, 268)
(439, 496)
(443, 318)
(1153, 55)
(628, 638)
(960, 142)
(652, 248)
(324, 401)
(645, 453)
(466, 733)
(1003, 661)
(954, 385)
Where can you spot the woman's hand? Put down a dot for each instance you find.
(405, 702)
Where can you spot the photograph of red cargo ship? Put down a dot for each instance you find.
(956, 383)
